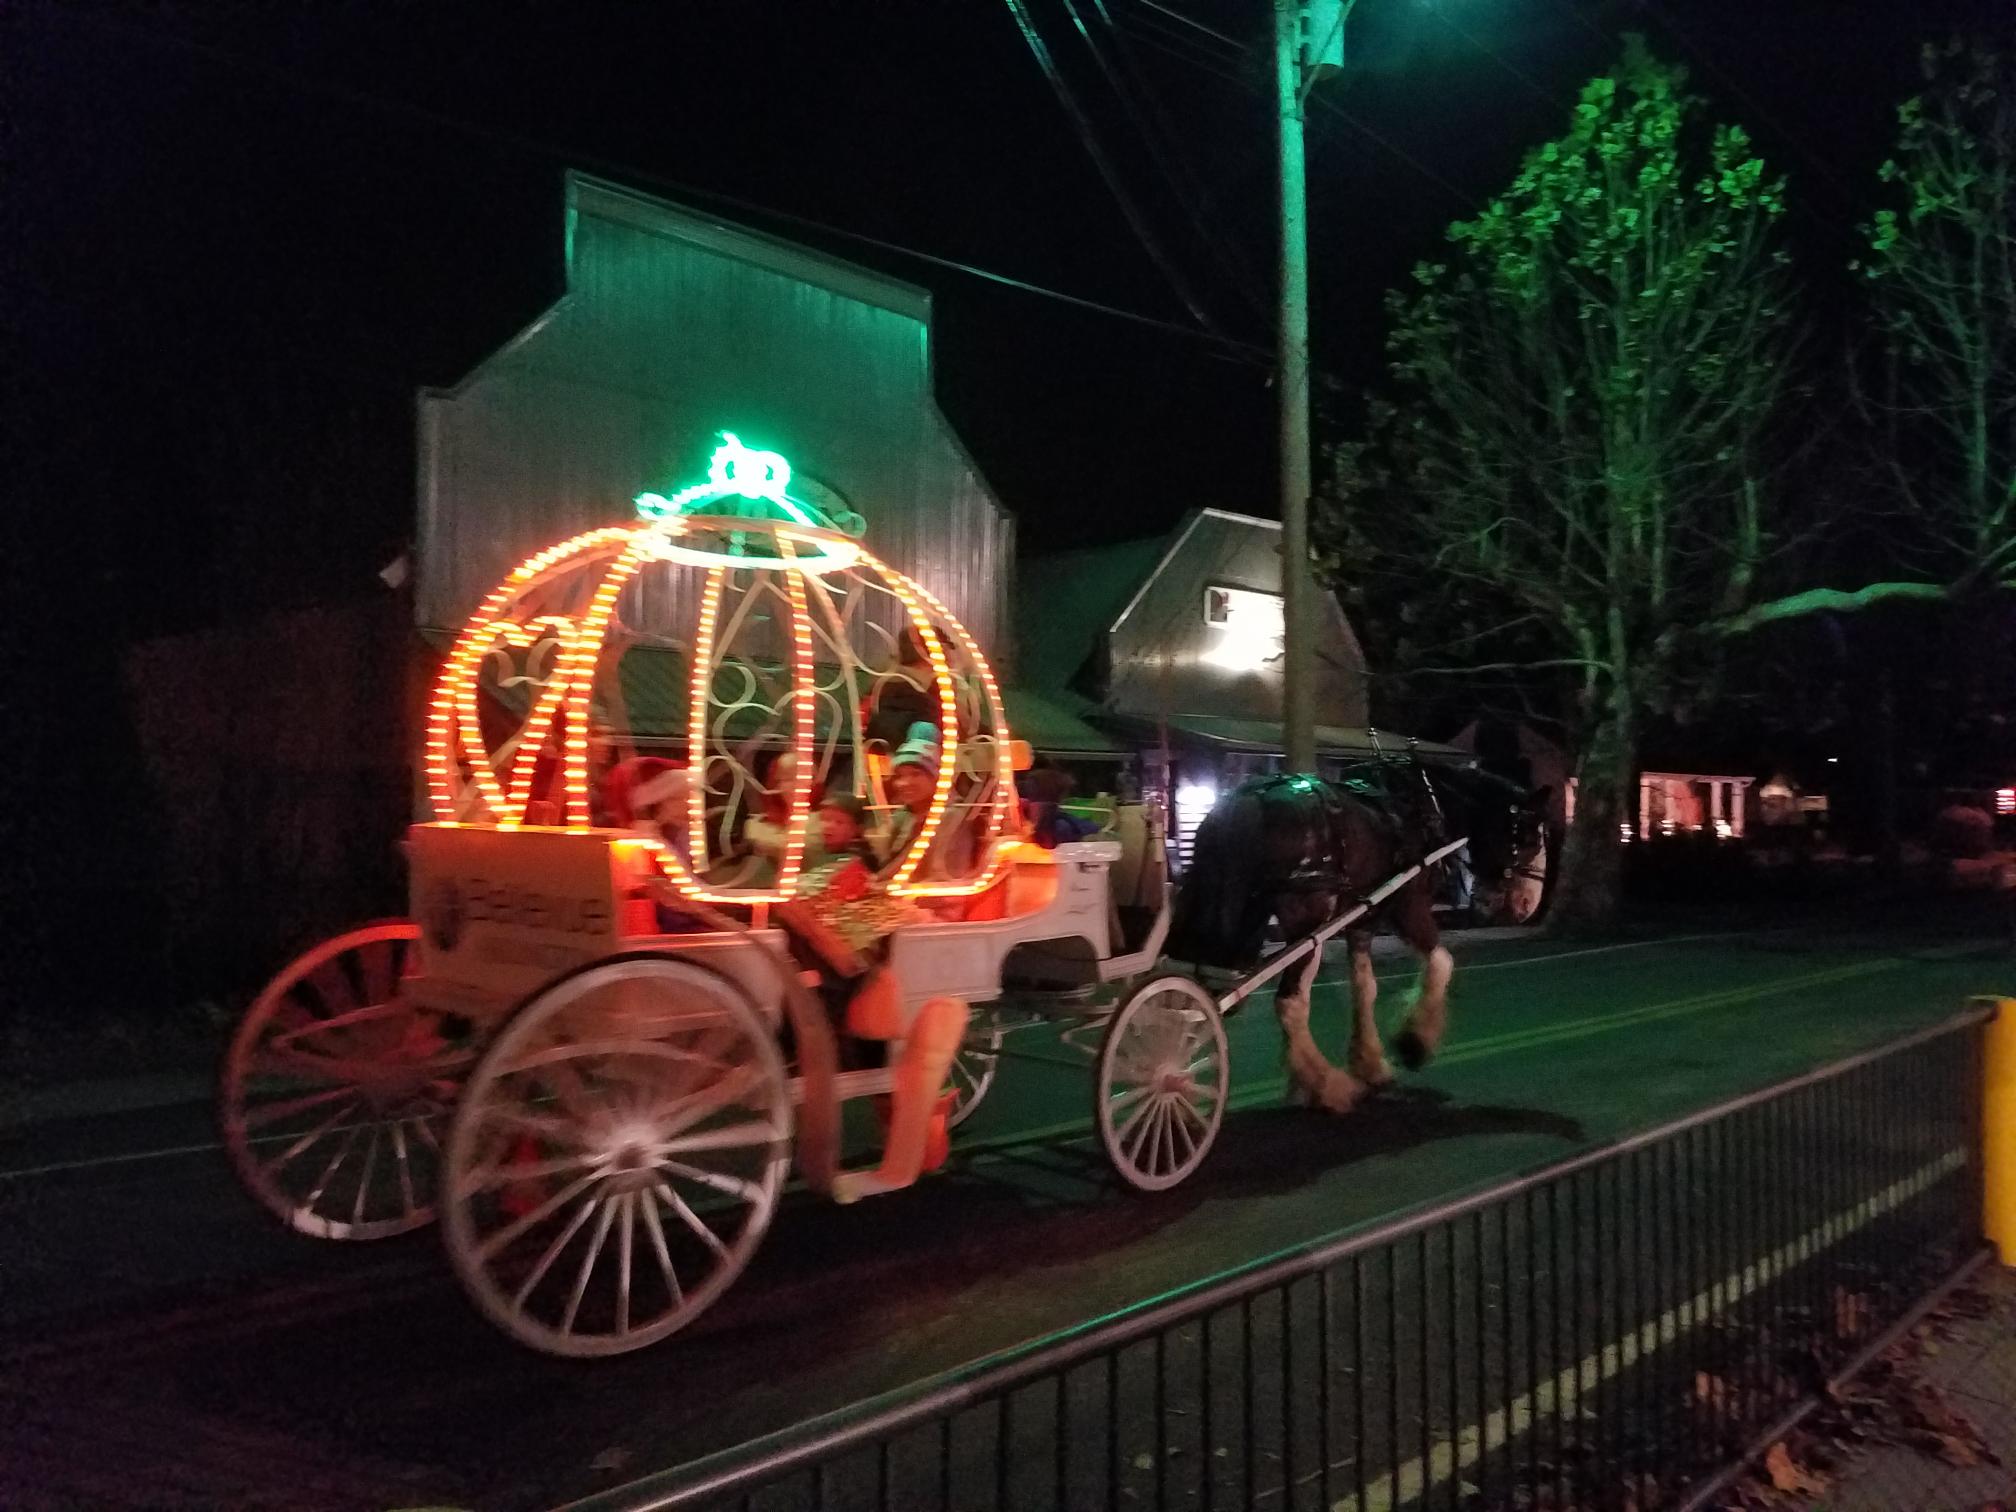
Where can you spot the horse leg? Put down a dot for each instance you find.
(1311, 1077)
(1367, 1061)
(1427, 1018)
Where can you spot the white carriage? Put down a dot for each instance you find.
(604, 1112)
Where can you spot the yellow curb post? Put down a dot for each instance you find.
(1998, 1130)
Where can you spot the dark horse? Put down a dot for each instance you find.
(1300, 851)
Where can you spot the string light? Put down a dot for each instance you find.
(486, 627)
(802, 673)
(669, 529)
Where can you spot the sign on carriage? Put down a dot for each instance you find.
(502, 912)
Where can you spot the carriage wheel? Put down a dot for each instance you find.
(336, 1088)
(973, 1068)
(616, 1156)
(1161, 1083)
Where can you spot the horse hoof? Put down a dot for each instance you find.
(1412, 1049)
(1340, 1093)
(1375, 1074)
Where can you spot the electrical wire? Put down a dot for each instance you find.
(1525, 80)
(1323, 103)
(1135, 218)
(1153, 124)
(609, 168)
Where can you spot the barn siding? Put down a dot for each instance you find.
(675, 327)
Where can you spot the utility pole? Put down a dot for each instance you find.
(1295, 69)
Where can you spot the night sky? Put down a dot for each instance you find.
(239, 236)
(249, 231)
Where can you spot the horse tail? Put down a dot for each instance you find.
(1220, 917)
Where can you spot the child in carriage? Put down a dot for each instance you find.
(843, 918)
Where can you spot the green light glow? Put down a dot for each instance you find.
(737, 472)
(743, 483)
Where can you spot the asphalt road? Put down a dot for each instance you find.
(161, 1345)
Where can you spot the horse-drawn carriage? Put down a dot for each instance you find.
(598, 1044)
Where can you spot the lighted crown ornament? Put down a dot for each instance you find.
(790, 635)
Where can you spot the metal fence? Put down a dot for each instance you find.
(1605, 1332)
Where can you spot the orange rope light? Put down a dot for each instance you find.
(802, 678)
(446, 726)
(460, 767)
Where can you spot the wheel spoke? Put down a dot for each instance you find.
(552, 1252)
(561, 1131)
(606, 1212)
(742, 1136)
(267, 1112)
(1141, 1125)
(733, 1186)
(329, 1171)
(505, 1172)
(691, 1107)
(1116, 1101)
(364, 1180)
(345, 1020)
(626, 1238)
(1145, 1105)
(494, 1243)
(691, 1219)
(405, 1167)
(650, 1211)
(331, 1122)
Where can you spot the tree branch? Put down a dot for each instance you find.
(1824, 601)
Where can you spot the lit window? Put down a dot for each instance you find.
(1246, 628)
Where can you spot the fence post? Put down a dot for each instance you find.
(1998, 1131)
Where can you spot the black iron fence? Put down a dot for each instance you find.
(1607, 1332)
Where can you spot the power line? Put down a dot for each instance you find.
(1195, 25)
(1135, 218)
(610, 168)
(1526, 81)
(1163, 144)
(1330, 107)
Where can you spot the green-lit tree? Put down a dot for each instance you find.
(1941, 270)
(1572, 486)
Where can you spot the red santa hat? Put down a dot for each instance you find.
(637, 786)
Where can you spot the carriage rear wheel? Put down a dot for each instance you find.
(617, 1156)
(335, 1091)
(1161, 1082)
(974, 1066)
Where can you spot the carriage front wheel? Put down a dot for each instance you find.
(616, 1156)
(974, 1066)
(1161, 1082)
(335, 1091)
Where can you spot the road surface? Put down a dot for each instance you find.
(162, 1345)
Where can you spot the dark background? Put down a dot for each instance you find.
(239, 236)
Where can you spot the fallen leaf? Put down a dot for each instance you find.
(1787, 1475)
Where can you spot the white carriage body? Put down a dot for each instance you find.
(502, 913)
